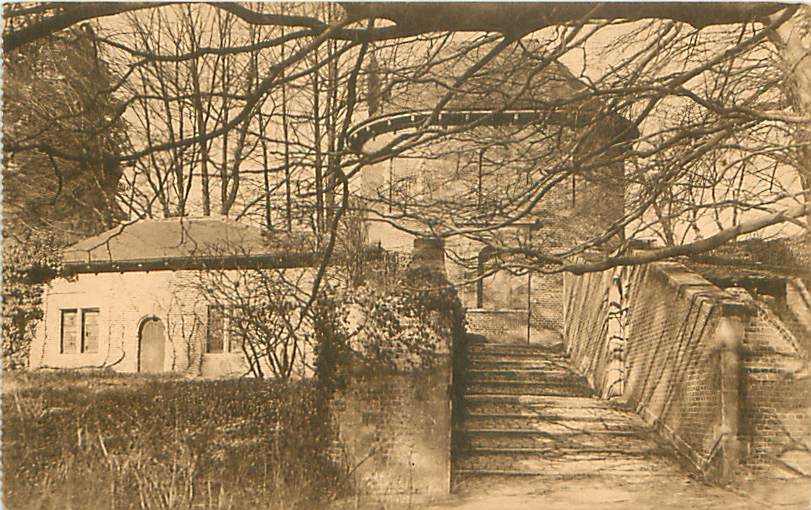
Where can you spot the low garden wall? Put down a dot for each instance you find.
(666, 342)
(394, 431)
(713, 370)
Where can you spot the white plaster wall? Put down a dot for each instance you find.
(124, 300)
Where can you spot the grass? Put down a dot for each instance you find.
(114, 441)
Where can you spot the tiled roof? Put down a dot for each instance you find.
(183, 238)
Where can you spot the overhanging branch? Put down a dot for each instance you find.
(700, 246)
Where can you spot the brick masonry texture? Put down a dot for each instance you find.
(674, 375)
(776, 424)
(509, 326)
(394, 430)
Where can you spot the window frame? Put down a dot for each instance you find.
(226, 336)
(83, 334)
(62, 313)
(80, 328)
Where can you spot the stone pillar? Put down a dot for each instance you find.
(728, 338)
(429, 254)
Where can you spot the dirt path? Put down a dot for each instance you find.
(615, 493)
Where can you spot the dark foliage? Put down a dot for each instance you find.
(409, 322)
(75, 440)
(57, 93)
(333, 355)
(22, 300)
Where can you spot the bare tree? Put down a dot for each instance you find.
(696, 113)
(258, 314)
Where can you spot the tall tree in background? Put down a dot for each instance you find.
(56, 100)
(694, 79)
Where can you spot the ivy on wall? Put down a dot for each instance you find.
(22, 300)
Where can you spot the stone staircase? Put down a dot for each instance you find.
(527, 415)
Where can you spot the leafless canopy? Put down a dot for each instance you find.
(245, 110)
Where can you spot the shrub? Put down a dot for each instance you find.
(118, 441)
(406, 325)
(22, 299)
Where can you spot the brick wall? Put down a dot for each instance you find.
(776, 420)
(725, 399)
(508, 326)
(677, 360)
(394, 426)
(395, 431)
(546, 302)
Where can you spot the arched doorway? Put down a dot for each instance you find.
(151, 346)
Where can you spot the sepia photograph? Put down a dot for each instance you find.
(406, 255)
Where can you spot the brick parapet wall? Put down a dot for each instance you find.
(678, 361)
(683, 377)
(395, 432)
(776, 420)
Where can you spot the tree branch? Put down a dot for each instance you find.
(714, 241)
(521, 17)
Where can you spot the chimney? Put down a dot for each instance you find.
(429, 253)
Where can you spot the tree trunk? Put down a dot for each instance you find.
(793, 38)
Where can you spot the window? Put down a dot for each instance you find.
(76, 339)
(215, 331)
(90, 331)
(69, 331)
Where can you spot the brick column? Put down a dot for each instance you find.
(429, 253)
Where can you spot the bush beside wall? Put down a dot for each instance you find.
(100, 440)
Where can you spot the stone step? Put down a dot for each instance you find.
(526, 413)
(550, 452)
(519, 388)
(481, 480)
(566, 462)
(476, 408)
(546, 401)
(551, 379)
(561, 425)
(496, 360)
(509, 355)
(531, 374)
(521, 363)
(508, 486)
(522, 347)
(627, 440)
